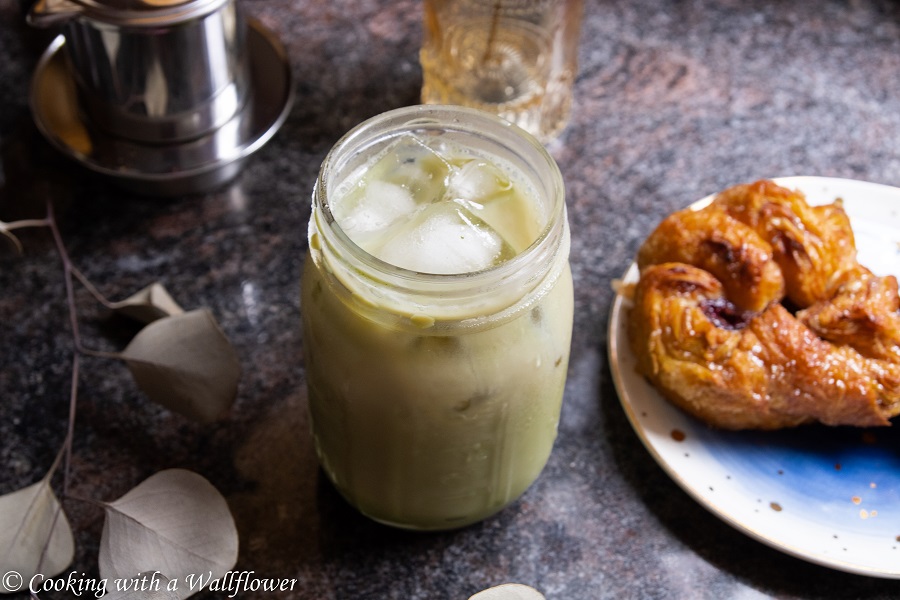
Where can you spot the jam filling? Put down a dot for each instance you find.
(724, 314)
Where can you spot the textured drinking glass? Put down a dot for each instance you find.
(434, 398)
(514, 58)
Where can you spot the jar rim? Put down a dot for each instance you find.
(466, 121)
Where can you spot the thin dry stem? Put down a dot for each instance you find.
(90, 501)
(25, 223)
(65, 452)
(70, 432)
(90, 287)
(67, 275)
(100, 353)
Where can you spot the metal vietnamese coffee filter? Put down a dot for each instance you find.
(157, 71)
(192, 166)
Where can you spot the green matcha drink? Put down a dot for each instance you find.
(437, 315)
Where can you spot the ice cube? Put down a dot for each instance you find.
(500, 202)
(413, 165)
(389, 189)
(477, 181)
(445, 239)
(380, 205)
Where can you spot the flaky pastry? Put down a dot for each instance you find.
(712, 323)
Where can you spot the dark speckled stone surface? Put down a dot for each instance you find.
(674, 100)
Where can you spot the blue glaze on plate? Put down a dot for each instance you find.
(846, 476)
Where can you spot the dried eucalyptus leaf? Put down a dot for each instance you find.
(509, 591)
(185, 363)
(174, 522)
(32, 519)
(151, 303)
(150, 585)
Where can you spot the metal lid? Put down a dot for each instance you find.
(123, 13)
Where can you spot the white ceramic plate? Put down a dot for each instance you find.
(828, 495)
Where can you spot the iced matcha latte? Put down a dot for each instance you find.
(437, 315)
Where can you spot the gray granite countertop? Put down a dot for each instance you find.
(673, 101)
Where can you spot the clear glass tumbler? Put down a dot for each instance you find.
(434, 398)
(514, 58)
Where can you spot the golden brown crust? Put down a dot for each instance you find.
(716, 341)
(813, 245)
(863, 313)
(765, 371)
(714, 241)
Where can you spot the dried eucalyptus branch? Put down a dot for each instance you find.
(22, 224)
(76, 337)
(6, 230)
(35, 535)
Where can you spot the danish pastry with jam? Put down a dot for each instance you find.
(754, 313)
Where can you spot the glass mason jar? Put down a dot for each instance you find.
(434, 399)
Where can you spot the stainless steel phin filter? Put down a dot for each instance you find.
(156, 71)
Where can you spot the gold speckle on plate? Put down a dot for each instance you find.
(775, 506)
(863, 514)
(678, 435)
(856, 500)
